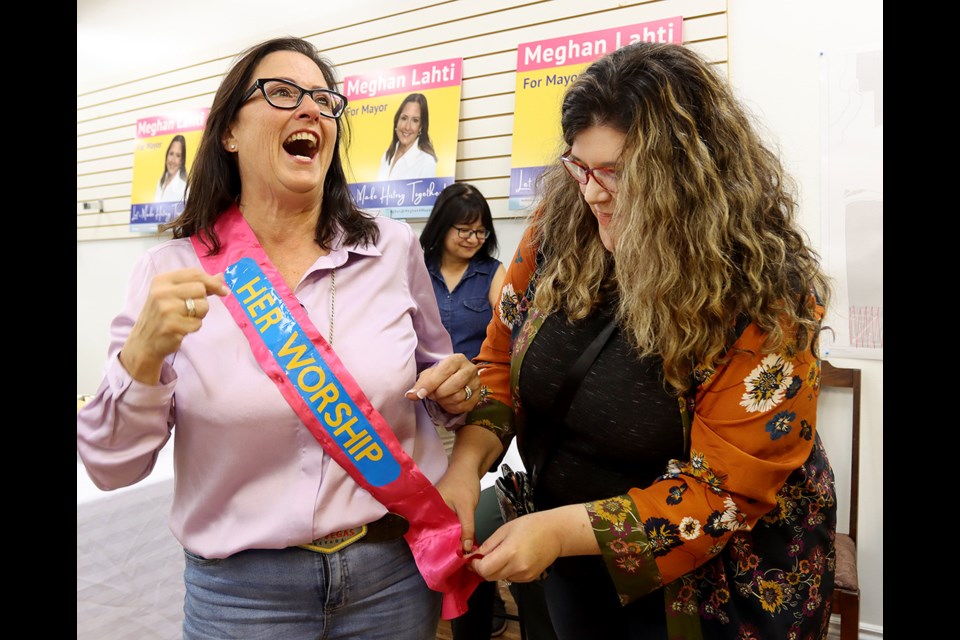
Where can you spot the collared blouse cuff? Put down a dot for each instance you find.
(443, 419)
(138, 394)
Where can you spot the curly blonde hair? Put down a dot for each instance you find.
(704, 217)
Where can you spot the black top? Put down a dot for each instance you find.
(621, 428)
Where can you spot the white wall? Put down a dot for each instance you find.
(774, 48)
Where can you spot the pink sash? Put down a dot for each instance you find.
(332, 406)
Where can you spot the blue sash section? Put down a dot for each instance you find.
(310, 374)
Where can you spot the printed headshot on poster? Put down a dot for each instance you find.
(164, 152)
(403, 136)
(544, 69)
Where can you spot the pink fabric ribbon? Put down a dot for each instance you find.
(277, 326)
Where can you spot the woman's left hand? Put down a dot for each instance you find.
(453, 383)
(522, 549)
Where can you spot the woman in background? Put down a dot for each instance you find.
(173, 181)
(410, 154)
(459, 245)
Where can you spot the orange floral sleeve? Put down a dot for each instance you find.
(753, 425)
(496, 411)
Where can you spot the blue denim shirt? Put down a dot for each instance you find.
(465, 311)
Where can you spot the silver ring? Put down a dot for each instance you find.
(469, 392)
(191, 307)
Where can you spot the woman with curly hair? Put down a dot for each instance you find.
(683, 492)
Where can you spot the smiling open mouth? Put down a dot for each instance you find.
(301, 144)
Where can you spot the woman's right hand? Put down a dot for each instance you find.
(166, 318)
(460, 488)
(474, 450)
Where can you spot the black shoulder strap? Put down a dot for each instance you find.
(568, 389)
(576, 374)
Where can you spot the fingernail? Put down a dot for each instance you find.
(224, 289)
(421, 393)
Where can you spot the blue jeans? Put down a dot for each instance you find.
(369, 590)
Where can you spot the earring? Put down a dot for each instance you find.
(233, 147)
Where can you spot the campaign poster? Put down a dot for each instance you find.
(403, 136)
(165, 148)
(544, 69)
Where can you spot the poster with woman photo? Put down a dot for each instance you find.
(403, 126)
(164, 152)
(544, 69)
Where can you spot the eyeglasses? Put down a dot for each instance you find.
(606, 178)
(286, 95)
(469, 233)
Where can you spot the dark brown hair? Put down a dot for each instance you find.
(214, 181)
(459, 203)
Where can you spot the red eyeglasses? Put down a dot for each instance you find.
(606, 178)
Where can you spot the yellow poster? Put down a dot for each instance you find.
(403, 136)
(164, 152)
(544, 69)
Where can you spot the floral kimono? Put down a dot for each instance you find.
(739, 535)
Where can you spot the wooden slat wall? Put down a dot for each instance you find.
(485, 33)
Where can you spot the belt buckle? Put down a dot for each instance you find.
(333, 542)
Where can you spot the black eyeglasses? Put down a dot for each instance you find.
(606, 178)
(466, 234)
(286, 95)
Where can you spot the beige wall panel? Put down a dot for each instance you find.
(105, 219)
(198, 93)
(473, 169)
(87, 180)
(94, 159)
(486, 126)
(712, 50)
(492, 188)
(109, 232)
(105, 149)
(496, 105)
(502, 61)
(90, 99)
(111, 205)
(102, 189)
(103, 162)
(501, 82)
(705, 27)
(97, 132)
(484, 147)
(397, 40)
